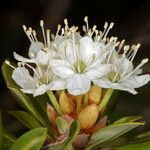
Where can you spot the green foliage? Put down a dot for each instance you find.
(26, 118)
(8, 140)
(29, 103)
(67, 145)
(110, 133)
(145, 145)
(32, 140)
(62, 124)
(128, 119)
(26, 101)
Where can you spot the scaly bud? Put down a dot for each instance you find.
(88, 116)
(51, 113)
(95, 94)
(66, 104)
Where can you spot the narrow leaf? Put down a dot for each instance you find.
(74, 130)
(62, 125)
(137, 146)
(110, 133)
(26, 101)
(32, 140)
(128, 119)
(8, 140)
(67, 145)
(26, 118)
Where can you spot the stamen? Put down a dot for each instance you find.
(8, 63)
(126, 49)
(43, 31)
(34, 34)
(144, 61)
(58, 29)
(84, 28)
(25, 30)
(62, 31)
(94, 28)
(110, 27)
(105, 28)
(121, 45)
(66, 24)
(31, 35)
(48, 37)
(87, 23)
(36, 73)
(135, 50)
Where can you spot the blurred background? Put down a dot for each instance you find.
(132, 22)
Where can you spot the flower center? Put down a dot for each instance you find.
(79, 66)
(114, 77)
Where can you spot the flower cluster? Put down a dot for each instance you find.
(84, 71)
(74, 62)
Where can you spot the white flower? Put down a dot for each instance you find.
(42, 80)
(40, 52)
(80, 63)
(122, 75)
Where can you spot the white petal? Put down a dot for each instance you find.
(104, 83)
(35, 47)
(98, 71)
(21, 58)
(23, 78)
(99, 58)
(78, 84)
(139, 71)
(41, 90)
(124, 63)
(138, 81)
(57, 84)
(43, 58)
(86, 48)
(69, 51)
(29, 91)
(62, 69)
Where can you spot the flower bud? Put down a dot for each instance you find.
(95, 94)
(88, 116)
(51, 114)
(66, 104)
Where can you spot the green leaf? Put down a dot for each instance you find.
(8, 140)
(26, 118)
(1, 132)
(112, 103)
(22, 98)
(143, 136)
(62, 124)
(128, 119)
(145, 145)
(40, 104)
(67, 145)
(74, 130)
(32, 140)
(26, 101)
(110, 133)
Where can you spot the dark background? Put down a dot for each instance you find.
(132, 22)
